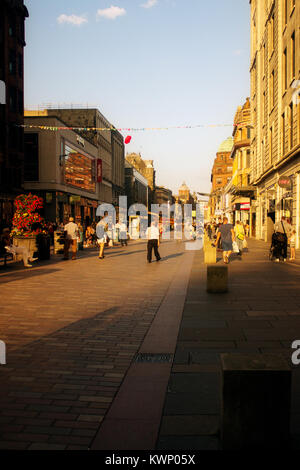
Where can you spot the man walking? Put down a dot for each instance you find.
(283, 228)
(226, 234)
(152, 234)
(71, 234)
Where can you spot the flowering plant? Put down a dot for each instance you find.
(26, 206)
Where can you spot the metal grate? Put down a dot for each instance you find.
(152, 357)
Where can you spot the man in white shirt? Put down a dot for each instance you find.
(71, 235)
(152, 234)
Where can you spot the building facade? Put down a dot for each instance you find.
(163, 195)
(275, 74)
(136, 186)
(146, 168)
(239, 193)
(61, 167)
(220, 176)
(110, 144)
(12, 43)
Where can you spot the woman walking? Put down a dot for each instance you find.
(226, 235)
(239, 236)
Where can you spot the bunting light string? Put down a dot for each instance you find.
(122, 129)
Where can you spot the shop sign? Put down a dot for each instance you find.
(245, 206)
(74, 199)
(99, 170)
(285, 182)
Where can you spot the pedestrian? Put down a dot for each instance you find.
(292, 241)
(122, 233)
(283, 230)
(226, 236)
(71, 235)
(152, 234)
(16, 250)
(101, 231)
(80, 237)
(247, 228)
(239, 236)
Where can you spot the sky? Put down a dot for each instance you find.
(146, 63)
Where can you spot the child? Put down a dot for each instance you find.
(292, 245)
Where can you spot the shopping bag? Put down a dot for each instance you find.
(235, 247)
(245, 244)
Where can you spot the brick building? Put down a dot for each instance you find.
(12, 43)
(220, 176)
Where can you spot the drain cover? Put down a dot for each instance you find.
(151, 357)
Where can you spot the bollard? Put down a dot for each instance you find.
(210, 252)
(217, 279)
(256, 396)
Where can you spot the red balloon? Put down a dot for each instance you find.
(128, 139)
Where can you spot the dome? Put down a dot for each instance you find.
(226, 146)
(183, 187)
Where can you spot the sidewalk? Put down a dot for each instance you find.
(117, 354)
(259, 314)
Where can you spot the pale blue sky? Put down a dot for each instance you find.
(177, 62)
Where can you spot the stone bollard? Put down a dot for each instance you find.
(256, 396)
(210, 252)
(217, 279)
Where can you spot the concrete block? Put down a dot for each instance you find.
(256, 400)
(217, 279)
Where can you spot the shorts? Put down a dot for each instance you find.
(227, 246)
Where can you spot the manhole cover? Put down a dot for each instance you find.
(150, 357)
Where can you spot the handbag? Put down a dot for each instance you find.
(235, 247)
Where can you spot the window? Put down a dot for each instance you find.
(283, 132)
(20, 65)
(271, 34)
(293, 58)
(291, 125)
(271, 143)
(248, 159)
(248, 132)
(219, 180)
(12, 62)
(229, 169)
(272, 90)
(31, 157)
(12, 99)
(285, 7)
(20, 102)
(284, 70)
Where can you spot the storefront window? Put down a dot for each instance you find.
(79, 170)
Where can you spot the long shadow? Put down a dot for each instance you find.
(25, 274)
(175, 255)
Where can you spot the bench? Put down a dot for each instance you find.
(4, 256)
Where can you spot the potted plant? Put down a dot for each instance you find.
(27, 222)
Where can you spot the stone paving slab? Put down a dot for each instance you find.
(72, 330)
(259, 315)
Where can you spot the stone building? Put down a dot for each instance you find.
(136, 186)
(12, 43)
(61, 167)
(239, 191)
(275, 74)
(163, 195)
(220, 176)
(146, 168)
(110, 144)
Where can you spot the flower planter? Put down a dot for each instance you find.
(27, 242)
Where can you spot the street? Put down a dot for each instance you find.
(73, 330)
